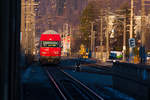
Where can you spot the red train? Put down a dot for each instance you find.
(50, 47)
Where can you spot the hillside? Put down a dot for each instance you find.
(54, 13)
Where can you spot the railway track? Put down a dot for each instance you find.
(92, 68)
(96, 66)
(70, 88)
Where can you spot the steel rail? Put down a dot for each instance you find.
(96, 66)
(52, 79)
(82, 85)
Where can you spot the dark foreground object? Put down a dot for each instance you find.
(133, 79)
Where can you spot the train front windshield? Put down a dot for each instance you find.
(50, 43)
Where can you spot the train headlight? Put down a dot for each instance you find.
(114, 61)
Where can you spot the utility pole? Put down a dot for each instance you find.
(107, 30)
(23, 25)
(143, 22)
(124, 40)
(92, 33)
(131, 32)
(101, 36)
(33, 4)
(27, 23)
(143, 30)
(63, 39)
(94, 53)
(29, 28)
(107, 36)
(107, 39)
(67, 29)
(70, 39)
(67, 33)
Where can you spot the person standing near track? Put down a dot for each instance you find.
(77, 64)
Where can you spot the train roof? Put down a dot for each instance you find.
(50, 37)
(50, 32)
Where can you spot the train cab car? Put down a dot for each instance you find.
(50, 47)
